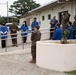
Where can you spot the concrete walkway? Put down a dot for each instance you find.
(17, 63)
(20, 47)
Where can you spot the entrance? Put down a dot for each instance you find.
(61, 16)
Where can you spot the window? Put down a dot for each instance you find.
(49, 16)
(43, 17)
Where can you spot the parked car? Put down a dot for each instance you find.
(8, 24)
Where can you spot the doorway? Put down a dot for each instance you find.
(61, 16)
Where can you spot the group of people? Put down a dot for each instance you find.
(4, 31)
(56, 31)
(35, 36)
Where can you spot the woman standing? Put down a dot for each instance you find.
(24, 29)
(4, 31)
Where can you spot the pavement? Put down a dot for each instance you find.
(16, 62)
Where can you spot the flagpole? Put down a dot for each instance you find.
(7, 13)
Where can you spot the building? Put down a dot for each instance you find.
(46, 12)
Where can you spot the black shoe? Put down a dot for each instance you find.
(32, 61)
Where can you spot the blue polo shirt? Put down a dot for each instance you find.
(71, 32)
(24, 28)
(35, 23)
(55, 21)
(0, 31)
(4, 29)
(57, 35)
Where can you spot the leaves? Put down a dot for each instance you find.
(66, 33)
(21, 7)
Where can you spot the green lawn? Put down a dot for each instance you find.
(72, 72)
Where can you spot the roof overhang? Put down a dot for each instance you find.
(41, 8)
(64, 0)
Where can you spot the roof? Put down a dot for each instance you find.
(44, 7)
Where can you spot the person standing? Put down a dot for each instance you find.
(4, 31)
(0, 31)
(52, 25)
(66, 18)
(34, 23)
(57, 35)
(74, 28)
(36, 36)
(13, 31)
(70, 28)
(24, 30)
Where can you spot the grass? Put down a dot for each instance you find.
(71, 72)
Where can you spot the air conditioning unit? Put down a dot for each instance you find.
(64, 0)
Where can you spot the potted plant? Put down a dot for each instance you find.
(65, 36)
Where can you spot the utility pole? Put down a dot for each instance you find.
(7, 13)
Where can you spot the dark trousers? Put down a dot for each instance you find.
(33, 52)
(74, 34)
(24, 39)
(51, 33)
(14, 39)
(3, 43)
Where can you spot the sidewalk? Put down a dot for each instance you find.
(16, 62)
(9, 49)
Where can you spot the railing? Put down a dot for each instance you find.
(29, 32)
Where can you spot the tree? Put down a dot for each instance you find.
(21, 7)
(66, 17)
(11, 19)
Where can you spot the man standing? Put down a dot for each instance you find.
(36, 36)
(66, 17)
(52, 27)
(74, 28)
(57, 35)
(70, 29)
(34, 23)
(13, 31)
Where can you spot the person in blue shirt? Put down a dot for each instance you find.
(24, 30)
(52, 25)
(4, 31)
(0, 31)
(70, 28)
(34, 23)
(57, 35)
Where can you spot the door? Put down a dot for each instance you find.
(61, 16)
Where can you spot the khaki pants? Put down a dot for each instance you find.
(33, 52)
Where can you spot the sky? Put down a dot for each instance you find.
(3, 5)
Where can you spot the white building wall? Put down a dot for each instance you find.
(54, 12)
(21, 21)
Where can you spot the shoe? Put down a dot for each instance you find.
(3, 47)
(13, 45)
(16, 45)
(25, 43)
(32, 61)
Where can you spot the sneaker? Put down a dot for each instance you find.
(32, 61)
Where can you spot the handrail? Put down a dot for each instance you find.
(29, 32)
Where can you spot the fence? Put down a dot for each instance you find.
(29, 32)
